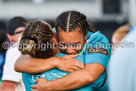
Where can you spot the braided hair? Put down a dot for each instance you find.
(70, 20)
(35, 35)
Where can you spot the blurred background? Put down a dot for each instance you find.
(106, 15)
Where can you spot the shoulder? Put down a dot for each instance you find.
(97, 37)
(60, 55)
(98, 41)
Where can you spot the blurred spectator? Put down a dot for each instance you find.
(15, 28)
(11, 80)
(118, 35)
(2, 54)
(122, 66)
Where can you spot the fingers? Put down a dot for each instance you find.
(75, 67)
(34, 90)
(79, 64)
(33, 86)
(71, 70)
(73, 56)
(36, 80)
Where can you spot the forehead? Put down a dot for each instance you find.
(70, 37)
(20, 29)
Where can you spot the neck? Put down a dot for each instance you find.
(58, 51)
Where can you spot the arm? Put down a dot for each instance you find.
(8, 86)
(27, 64)
(10, 78)
(76, 79)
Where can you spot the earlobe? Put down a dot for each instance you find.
(85, 36)
(55, 41)
(55, 45)
(9, 37)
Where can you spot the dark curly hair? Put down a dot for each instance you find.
(70, 20)
(35, 35)
(15, 23)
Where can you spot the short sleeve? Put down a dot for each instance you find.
(9, 72)
(98, 50)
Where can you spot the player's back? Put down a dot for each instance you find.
(50, 75)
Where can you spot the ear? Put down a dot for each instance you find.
(10, 37)
(85, 36)
(55, 40)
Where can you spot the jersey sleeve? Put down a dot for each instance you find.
(9, 73)
(54, 29)
(98, 50)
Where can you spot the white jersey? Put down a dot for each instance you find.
(122, 72)
(9, 74)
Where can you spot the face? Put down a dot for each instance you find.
(71, 42)
(18, 33)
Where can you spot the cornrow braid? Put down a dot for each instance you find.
(36, 35)
(70, 20)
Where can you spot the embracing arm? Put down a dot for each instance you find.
(74, 80)
(8, 86)
(28, 64)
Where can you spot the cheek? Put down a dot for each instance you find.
(17, 36)
(82, 43)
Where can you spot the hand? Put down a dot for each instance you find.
(68, 64)
(41, 85)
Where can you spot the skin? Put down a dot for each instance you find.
(27, 64)
(79, 78)
(10, 85)
(76, 79)
(76, 38)
(115, 41)
(14, 38)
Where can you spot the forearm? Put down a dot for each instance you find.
(74, 80)
(78, 78)
(8, 86)
(27, 64)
